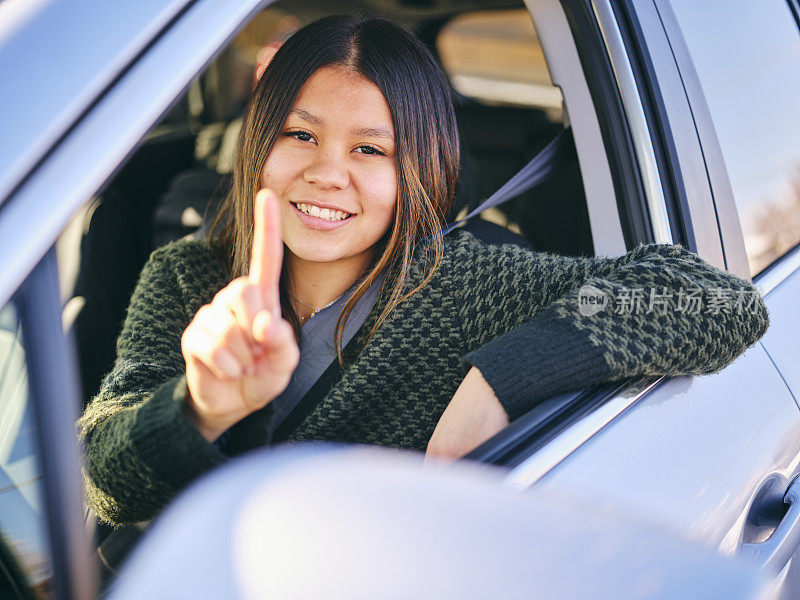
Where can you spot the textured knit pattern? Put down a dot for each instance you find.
(511, 312)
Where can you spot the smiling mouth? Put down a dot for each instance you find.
(322, 213)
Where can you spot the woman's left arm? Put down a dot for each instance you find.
(658, 310)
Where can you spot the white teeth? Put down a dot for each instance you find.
(322, 213)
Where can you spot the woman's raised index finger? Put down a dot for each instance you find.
(267, 253)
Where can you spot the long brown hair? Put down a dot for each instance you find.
(426, 142)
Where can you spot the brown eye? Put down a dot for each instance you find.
(371, 150)
(302, 136)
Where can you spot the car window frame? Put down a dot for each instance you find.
(551, 431)
(685, 143)
(547, 435)
(55, 399)
(564, 64)
(618, 106)
(679, 154)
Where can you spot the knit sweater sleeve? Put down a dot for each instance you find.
(531, 338)
(141, 446)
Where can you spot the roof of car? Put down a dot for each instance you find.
(57, 57)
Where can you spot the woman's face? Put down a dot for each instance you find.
(334, 158)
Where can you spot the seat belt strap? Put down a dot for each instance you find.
(558, 152)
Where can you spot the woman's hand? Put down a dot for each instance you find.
(239, 352)
(472, 417)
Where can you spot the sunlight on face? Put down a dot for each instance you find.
(333, 168)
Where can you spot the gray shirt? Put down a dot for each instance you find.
(317, 348)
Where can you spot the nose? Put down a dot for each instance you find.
(327, 172)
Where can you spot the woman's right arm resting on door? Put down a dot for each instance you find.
(531, 338)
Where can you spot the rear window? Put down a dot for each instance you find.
(495, 57)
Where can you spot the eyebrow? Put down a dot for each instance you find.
(306, 116)
(380, 132)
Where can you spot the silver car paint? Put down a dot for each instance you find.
(72, 51)
(369, 523)
(692, 454)
(782, 340)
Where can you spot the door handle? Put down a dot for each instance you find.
(775, 552)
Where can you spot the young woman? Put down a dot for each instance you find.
(347, 164)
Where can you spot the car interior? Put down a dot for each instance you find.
(170, 187)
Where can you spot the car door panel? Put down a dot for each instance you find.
(692, 454)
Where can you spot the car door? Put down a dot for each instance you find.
(711, 457)
(751, 127)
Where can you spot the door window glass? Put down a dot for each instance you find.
(24, 551)
(747, 56)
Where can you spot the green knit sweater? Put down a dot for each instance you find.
(513, 313)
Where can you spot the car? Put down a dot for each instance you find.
(117, 122)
